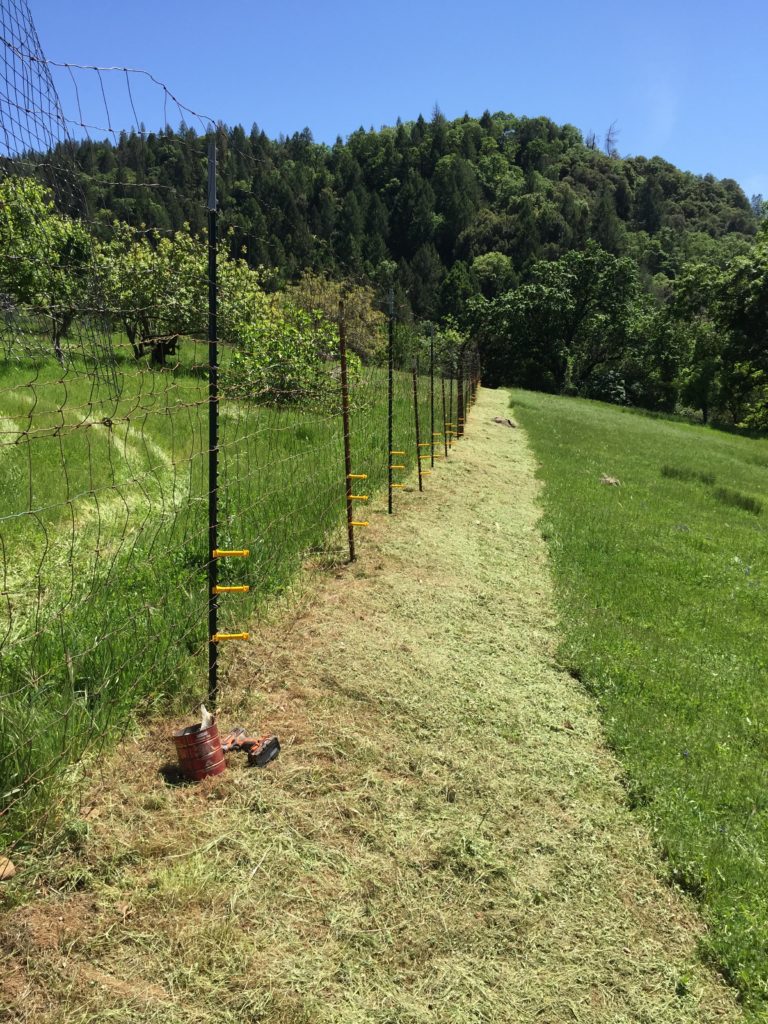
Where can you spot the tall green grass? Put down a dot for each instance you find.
(663, 593)
(103, 543)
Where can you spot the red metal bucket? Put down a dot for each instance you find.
(199, 751)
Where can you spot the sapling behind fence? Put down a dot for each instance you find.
(162, 400)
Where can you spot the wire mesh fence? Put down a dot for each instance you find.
(106, 406)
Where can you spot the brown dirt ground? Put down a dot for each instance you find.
(444, 838)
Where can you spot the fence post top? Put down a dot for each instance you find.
(212, 172)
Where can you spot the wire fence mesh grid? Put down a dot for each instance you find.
(106, 410)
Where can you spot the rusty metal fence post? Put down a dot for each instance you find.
(416, 419)
(460, 397)
(349, 476)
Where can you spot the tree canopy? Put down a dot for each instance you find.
(577, 270)
(429, 198)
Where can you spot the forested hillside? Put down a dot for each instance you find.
(432, 197)
(577, 270)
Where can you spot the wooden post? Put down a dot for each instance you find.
(416, 418)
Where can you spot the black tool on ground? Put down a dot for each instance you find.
(260, 749)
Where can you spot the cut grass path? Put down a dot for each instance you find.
(444, 838)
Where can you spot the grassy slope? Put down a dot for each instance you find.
(443, 838)
(664, 597)
(103, 534)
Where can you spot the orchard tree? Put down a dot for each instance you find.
(45, 258)
(242, 299)
(286, 355)
(319, 296)
(155, 286)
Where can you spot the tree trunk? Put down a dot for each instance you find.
(57, 333)
(67, 320)
(157, 354)
(130, 330)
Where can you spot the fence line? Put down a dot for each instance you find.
(162, 405)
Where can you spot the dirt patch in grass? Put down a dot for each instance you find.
(444, 837)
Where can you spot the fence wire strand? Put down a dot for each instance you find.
(104, 419)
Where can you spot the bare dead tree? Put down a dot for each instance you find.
(611, 138)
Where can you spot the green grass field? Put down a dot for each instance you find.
(663, 595)
(433, 846)
(103, 541)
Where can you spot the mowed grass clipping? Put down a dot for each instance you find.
(442, 840)
(104, 541)
(663, 594)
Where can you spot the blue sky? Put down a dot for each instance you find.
(685, 80)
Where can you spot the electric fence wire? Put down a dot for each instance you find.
(104, 411)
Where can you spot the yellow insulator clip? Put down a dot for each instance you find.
(218, 553)
(358, 524)
(425, 458)
(358, 497)
(425, 444)
(397, 453)
(397, 485)
(397, 467)
(230, 590)
(228, 636)
(357, 476)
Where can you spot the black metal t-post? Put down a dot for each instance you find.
(213, 431)
(450, 408)
(460, 396)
